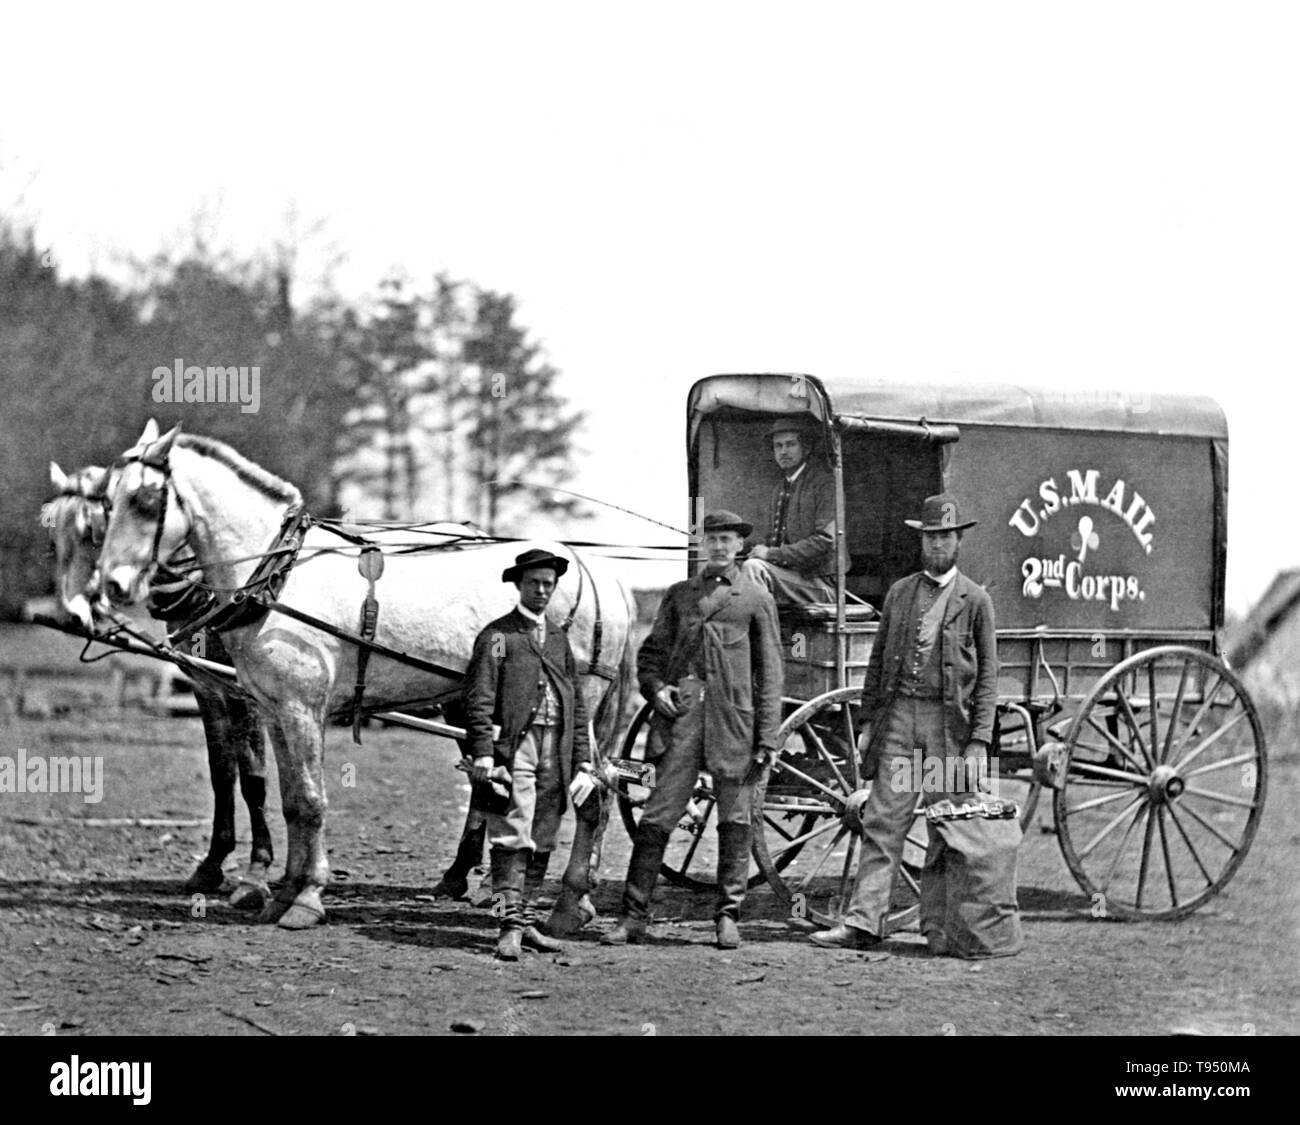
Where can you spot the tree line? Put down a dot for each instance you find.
(422, 402)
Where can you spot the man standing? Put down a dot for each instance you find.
(522, 678)
(712, 668)
(797, 562)
(931, 685)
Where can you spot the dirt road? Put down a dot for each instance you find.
(96, 935)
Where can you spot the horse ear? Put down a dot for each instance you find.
(150, 433)
(58, 477)
(164, 443)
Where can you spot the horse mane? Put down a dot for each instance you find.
(250, 473)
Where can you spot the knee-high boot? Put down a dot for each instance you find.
(642, 874)
(734, 842)
(534, 877)
(508, 873)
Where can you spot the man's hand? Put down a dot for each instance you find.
(665, 701)
(758, 552)
(480, 768)
(580, 788)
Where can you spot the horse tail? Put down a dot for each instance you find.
(608, 720)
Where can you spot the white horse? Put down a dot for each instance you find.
(76, 519)
(432, 605)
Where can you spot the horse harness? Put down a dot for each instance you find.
(260, 594)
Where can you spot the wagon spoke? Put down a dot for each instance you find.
(1091, 771)
(1110, 783)
(778, 829)
(854, 779)
(796, 808)
(1137, 809)
(846, 875)
(1178, 707)
(1155, 712)
(1222, 798)
(1239, 760)
(1097, 802)
(1146, 857)
(811, 734)
(1138, 801)
(1173, 815)
(1124, 751)
(785, 767)
(1210, 828)
(1164, 847)
(1196, 720)
(910, 880)
(796, 841)
(1210, 740)
(826, 854)
(1132, 722)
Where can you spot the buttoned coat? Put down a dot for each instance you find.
(809, 525)
(968, 658)
(728, 633)
(504, 684)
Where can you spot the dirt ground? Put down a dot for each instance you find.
(97, 937)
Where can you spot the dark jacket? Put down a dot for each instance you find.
(809, 548)
(504, 685)
(968, 656)
(727, 633)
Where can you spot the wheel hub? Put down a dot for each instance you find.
(1165, 785)
(851, 817)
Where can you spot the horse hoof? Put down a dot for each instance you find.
(250, 895)
(273, 911)
(562, 924)
(301, 917)
(206, 880)
(570, 915)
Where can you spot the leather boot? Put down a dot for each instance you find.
(642, 874)
(508, 872)
(535, 876)
(469, 855)
(733, 877)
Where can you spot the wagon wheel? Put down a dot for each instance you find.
(1164, 786)
(803, 846)
(691, 859)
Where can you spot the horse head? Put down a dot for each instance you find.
(147, 519)
(76, 520)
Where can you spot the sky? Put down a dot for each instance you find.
(1069, 196)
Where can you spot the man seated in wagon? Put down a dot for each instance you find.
(795, 558)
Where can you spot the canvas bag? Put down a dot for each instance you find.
(968, 888)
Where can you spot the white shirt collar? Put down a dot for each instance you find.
(795, 475)
(946, 579)
(535, 618)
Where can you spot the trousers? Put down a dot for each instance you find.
(532, 820)
(913, 724)
(678, 769)
(789, 587)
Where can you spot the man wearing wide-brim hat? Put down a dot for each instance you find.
(932, 689)
(795, 555)
(712, 668)
(522, 681)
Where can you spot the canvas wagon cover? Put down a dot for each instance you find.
(1097, 510)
